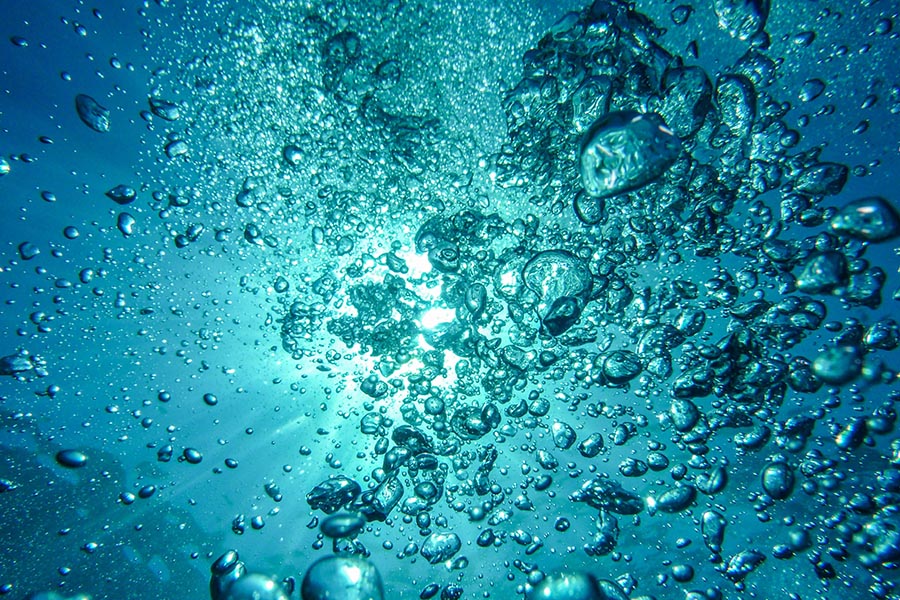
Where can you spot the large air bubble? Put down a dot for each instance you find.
(563, 283)
(624, 151)
(342, 578)
(568, 586)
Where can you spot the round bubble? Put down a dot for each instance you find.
(342, 578)
(342, 525)
(255, 587)
(568, 586)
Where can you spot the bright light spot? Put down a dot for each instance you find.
(426, 288)
(346, 310)
(509, 280)
(353, 573)
(418, 264)
(433, 317)
(429, 293)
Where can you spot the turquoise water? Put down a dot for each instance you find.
(539, 300)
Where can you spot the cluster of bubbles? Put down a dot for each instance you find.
(657, 160)
(645, 285)
(335, 577)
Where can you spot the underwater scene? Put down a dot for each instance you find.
(411, 299)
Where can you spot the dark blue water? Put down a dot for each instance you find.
(535, 300)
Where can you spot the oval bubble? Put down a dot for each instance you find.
(73, 459)
(342, 578)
